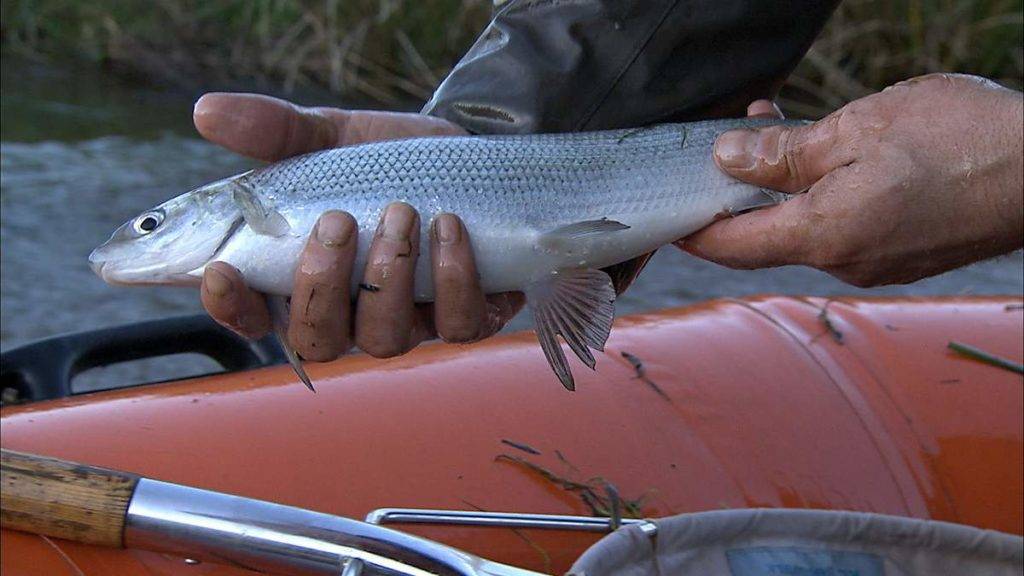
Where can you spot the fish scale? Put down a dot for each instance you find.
(545, 214)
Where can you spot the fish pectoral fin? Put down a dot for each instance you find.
(579, 304)
(278, 306)
(261, 218)
(581, 229)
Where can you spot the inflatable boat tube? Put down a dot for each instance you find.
(758, 403)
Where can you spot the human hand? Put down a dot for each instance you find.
(324, 323)
(918, 179)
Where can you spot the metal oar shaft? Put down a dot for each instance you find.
(98, 506)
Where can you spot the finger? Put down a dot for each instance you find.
(764, 109)
(361, 126)
(459, 305)
(764, 238)
(319, 326)
(233, 304)
(385, 315)
(784, 158)
(262, 127)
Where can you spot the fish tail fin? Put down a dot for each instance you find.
(278, 306)
(578, 304)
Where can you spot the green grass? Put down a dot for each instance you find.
(394, 51)
(870, 44)
(386, 50)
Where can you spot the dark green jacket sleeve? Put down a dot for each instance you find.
(570, 65)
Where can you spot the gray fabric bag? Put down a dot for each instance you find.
(779, 542)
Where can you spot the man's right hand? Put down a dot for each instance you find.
(921, 178)
(324, 324)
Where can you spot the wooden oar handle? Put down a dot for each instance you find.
(63, 499)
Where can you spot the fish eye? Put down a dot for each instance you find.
(148, 222)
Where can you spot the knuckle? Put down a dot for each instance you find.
(390, 256)
(792, 151)
(855, 113)
(864, 119)
(311, 129)
(932, 80)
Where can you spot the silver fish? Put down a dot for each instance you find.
(546, 213)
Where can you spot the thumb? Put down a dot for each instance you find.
(262, 127)
(786, 158)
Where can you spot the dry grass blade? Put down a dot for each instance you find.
(599, 495)
(980, 355)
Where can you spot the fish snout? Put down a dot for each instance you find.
(96, 262)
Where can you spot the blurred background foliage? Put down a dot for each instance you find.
(394, 52)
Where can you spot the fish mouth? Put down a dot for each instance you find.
(96, 262)
(114, 274)
(99, 267)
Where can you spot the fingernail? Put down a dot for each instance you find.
(735, 149)
(217, 284)
(333, 230)
(447, 229)
(397, 222)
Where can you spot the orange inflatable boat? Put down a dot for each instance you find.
(757, 403)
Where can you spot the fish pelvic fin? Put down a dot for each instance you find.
(579, 305)
(278, 306)
(260, 217)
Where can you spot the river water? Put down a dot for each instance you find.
(81, 152)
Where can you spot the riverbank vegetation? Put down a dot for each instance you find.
(395, 51)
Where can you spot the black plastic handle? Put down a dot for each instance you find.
(44, 369)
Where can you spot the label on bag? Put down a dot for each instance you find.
(789, 561)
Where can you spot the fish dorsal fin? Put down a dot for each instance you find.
(577, 303)
(278, 307)
(582, 229)
(261, 218)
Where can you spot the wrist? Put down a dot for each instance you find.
(1009, 191)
